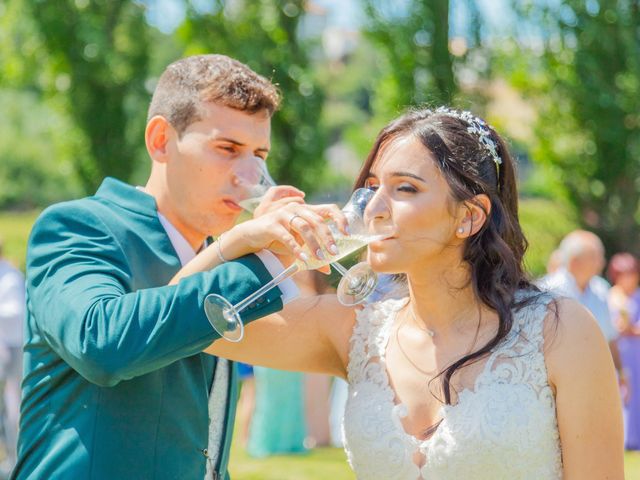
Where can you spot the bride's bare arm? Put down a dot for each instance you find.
(310, 335)
(588, 403)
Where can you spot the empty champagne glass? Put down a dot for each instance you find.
(356, 284)
(225, 317)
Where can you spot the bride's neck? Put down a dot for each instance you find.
(442, 297)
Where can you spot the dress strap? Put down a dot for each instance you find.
(370, 333)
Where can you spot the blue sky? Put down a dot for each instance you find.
(168, 14)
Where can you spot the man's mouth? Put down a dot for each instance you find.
(232, 205)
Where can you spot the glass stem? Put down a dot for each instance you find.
(339, 268)
(241, 305)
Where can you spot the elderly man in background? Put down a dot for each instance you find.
(12, 306)
(581, 255)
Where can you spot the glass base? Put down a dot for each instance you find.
(357, 284)
(224, 318)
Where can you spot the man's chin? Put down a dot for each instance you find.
(222, 224)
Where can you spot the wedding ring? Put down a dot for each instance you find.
(293, 217)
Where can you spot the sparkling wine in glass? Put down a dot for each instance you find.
(225, 317)
(356, 284)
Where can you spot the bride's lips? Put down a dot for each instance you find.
(379, 243)
(232, 205)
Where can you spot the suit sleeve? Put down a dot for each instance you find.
(77, 278)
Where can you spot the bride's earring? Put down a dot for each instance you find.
(461, 230)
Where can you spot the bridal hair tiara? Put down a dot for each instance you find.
(480, 129)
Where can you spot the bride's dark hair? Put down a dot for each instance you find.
(495, 253)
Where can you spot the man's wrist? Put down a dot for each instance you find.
(232, 246)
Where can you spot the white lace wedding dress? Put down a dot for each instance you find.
(503, 428)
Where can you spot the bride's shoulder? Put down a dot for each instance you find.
(574, 342)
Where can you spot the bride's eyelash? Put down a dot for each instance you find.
(401, 188)
(368, 185)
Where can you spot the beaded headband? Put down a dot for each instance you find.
(480, 129)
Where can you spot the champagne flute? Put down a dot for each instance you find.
(225, 317)
(356, 284)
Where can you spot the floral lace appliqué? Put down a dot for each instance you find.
(504, 428)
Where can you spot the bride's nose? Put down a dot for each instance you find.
(378, 207)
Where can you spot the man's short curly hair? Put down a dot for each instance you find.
(191, 81)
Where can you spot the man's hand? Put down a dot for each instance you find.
(277, 197)
(285, 230)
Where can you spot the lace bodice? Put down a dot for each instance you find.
(503, 428)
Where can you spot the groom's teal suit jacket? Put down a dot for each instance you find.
(115, 386)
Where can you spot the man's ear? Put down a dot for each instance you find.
(156, 136)
(474, 215)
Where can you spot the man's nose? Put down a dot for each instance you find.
(246, 170)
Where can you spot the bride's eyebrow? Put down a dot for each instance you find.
(408, 174)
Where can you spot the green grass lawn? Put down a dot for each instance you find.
(318, 464)
(328, 463)
(14, 231)
(632, 465)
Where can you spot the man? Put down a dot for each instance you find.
(115, 386)
(11, 324)
(581, 258)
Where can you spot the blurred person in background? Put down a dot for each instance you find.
(623, 272)
(278, 425)
(554, 262)
(12, 311)
(246, 400)
(578, 277)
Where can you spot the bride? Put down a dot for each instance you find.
(473, 373)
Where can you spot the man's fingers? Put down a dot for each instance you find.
(302, 226)
(314, 231)
(277, 197)
(333, 213)
(283, 191)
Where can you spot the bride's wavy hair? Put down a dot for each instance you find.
(495, 253)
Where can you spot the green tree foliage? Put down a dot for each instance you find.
(414, 41)
(266, 36)
(98, 50)
(23, 60)
(543, 230)
(37, 137)
(587, 80)
(37, 144)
